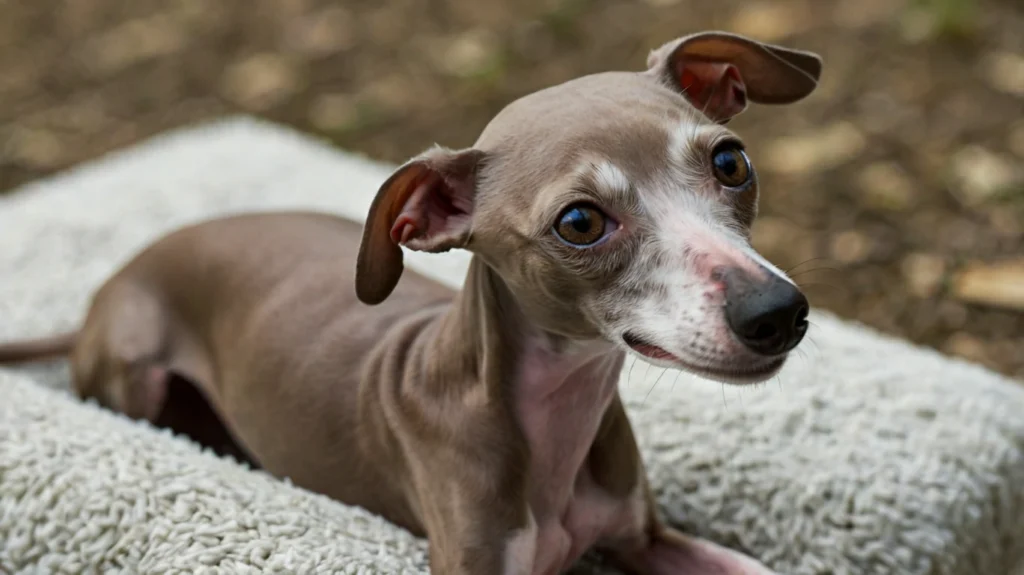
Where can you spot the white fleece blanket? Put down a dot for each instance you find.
(866, 456)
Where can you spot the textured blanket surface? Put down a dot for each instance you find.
(866, 455)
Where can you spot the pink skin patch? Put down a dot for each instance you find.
(717, 255)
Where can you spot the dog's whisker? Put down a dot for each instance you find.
(812, 270)
(821, 284)
(815, 344)
(655, 385)
(811, 341)
(711, 97)
(629, 376)
(792, 269)
(704, 108)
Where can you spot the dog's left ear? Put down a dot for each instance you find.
(718, 72)
(425, 205)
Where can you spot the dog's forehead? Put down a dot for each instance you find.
(627, 120)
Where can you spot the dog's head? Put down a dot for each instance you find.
(617, 205)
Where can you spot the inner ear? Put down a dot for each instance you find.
(437, 214)
(714, 88)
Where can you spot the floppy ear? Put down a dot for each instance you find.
(425, 205)
(718, 72)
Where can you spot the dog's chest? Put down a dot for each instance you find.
(560, 401)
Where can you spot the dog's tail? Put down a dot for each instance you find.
(49, 347)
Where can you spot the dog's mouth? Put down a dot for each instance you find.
(648, 350)
(735, 375)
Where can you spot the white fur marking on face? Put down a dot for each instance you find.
(767, 264)
(521, 549)
(610, 178)
(682, 136)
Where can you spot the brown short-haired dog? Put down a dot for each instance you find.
(606, 215)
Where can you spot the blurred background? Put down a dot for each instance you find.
(894, 194)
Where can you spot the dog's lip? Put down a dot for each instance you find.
(652, 351)
(739, 376)
(647, 349)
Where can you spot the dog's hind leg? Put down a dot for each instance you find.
(119, 357)
(133, 358)
(122, 354)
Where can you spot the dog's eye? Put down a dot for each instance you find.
(731, 166)
(582, 225)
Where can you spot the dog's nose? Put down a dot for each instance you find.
(769, 317)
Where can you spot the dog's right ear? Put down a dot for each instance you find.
(718, 71)
(426, 205)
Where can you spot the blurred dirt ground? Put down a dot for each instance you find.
(895, 194)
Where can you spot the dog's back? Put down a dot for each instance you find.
(256, 316)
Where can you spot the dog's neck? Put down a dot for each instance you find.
(487, 331)
(557, 389)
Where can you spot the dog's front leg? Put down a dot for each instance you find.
(649, 546)
(666, 551)
(476, 519)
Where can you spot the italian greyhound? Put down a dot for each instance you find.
(606, 215)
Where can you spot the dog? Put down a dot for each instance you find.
(608, 215)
